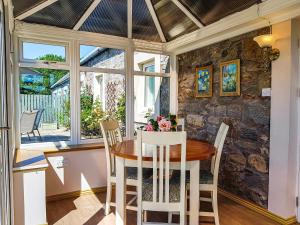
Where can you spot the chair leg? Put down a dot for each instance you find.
(215, 207)
(145, 216)
(170, 216)
(39, 134)
(182, 217)
(28, 137)
(108, 199)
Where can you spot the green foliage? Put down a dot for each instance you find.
(91, 114)
(121, 109)
(90, 117)
(50, 77)
(64, 117)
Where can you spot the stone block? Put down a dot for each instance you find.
(195, 120)
(213, 120)
(220, 110)
(234, 111)
(258, 162)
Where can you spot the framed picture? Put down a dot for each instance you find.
(203, 81)
(230, 78)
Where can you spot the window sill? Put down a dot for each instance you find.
(29, 160)
(33, 160)
(74, 148)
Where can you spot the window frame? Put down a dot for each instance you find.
(103, 71)
(143, 73)
(45, 42)
(40, 64)
(52, 35)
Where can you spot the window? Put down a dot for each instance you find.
(62, 101)
(150, 62)
(99, 57)
(102, 95)
(151, 86)
(102, 92)
(43, 52)
(44, 105)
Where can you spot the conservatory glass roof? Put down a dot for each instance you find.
(152, 20)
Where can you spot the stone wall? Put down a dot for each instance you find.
(245, 158)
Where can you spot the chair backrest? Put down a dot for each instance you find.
(111, 134)
(180, 124)
(38, 119)
(219, 143)
(27, 121)
(159, 143)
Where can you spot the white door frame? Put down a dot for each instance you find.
(298, 131)
(5, 170)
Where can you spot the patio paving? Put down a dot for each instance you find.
(47, 135)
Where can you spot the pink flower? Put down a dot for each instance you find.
(159, 118)
(164, 125)
(149, 127)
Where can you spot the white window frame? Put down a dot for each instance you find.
(45, 42)
(102, 71)
(155, 74)
(27, 63)
(73, 40)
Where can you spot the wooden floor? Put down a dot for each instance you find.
(87, 210)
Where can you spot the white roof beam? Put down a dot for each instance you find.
(35, 9)
(86, 14)
(129, 18)
(155, 20)
(187, 13)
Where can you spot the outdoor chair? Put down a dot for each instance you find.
(27, 122)
(38, 121)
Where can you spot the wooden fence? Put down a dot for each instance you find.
(53, 106)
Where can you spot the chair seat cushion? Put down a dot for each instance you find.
(132, 173)
(174, 192)
(205, 176)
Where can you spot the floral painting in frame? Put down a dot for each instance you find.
(230, 78)
(203, 82)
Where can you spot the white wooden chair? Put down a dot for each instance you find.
(160, 193)
(209, 180)
(112, 135)
(180, 124)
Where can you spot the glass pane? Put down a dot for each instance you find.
(109, 17)
(174, 22)
(143, 26)
(150, 62)
(109, 58)
(46, 52)
(63, 14)
(151, 97)
(45, 105)
(102, 96)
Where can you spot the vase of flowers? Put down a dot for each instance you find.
(161, 123)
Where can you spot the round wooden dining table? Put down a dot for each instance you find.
(126, 156)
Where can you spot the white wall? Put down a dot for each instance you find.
(283, 141)
(82, 170)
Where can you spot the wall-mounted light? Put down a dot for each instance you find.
(266, 42)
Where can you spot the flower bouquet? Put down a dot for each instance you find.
(161, 123)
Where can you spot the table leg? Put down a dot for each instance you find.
(194, 193)
(120, 192)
